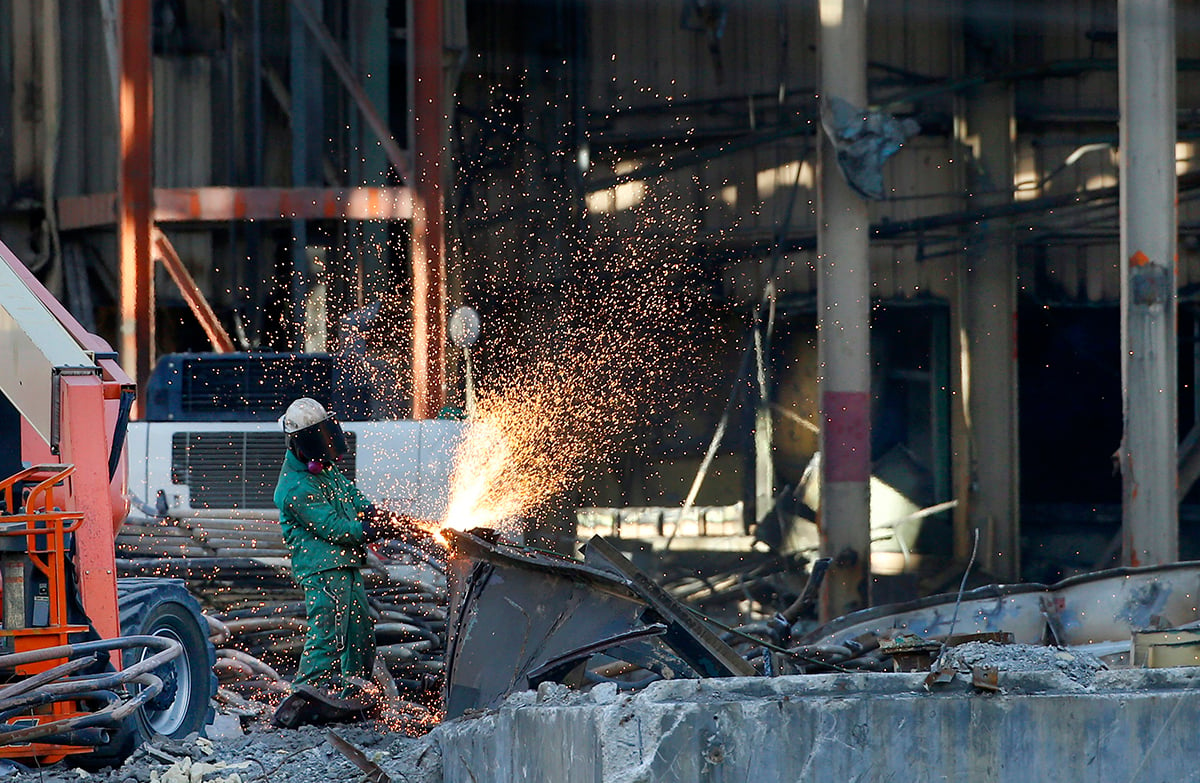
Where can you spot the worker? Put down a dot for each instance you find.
(327, 523)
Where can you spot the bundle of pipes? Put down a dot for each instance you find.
(238, 569)
(80, 677)
(259, 640)
(220, 583)
(200, 537)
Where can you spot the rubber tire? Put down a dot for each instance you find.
(164, 607)
(157, 606)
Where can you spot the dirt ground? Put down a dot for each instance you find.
(264, 753)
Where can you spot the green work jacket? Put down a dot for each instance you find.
(319, 514)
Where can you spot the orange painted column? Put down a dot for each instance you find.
(84, 444)
(428, 233)
(135, 186)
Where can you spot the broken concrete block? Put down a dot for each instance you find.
(224, 727)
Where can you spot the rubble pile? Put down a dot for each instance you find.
(1077, 665)
(264, 754)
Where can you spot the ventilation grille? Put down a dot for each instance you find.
(253, 383)
(235, 469)
(235, 386)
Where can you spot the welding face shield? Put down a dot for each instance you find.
(312, 434)
(323, 441)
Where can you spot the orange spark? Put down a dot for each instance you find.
(584, 383)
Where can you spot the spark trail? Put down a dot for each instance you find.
(576, 391)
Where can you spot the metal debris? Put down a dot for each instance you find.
(373, 772)
(513, 611)
(520, 617)
(985, 678)
(943, 675)
(911, 653)
(699, 646)
(1088, 610)
(1171, 647)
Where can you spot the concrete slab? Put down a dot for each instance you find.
(1123, 726)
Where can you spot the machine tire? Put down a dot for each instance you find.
(164, 607)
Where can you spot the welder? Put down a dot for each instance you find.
(327, 523)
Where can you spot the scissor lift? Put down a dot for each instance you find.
(70, 683)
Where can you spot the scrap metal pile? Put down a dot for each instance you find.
(520, 617)
(496, 617)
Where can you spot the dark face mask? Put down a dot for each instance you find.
(322, 442)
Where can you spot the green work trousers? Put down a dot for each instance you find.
(340, 641)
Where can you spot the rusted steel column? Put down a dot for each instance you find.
(844, 340)
(1146, 69)
(428, 229)
(135, 108)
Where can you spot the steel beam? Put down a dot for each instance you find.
(428, 231)
(1148, 457)
(223, 204)
(199, 306)
(844, 342)
(136, 192)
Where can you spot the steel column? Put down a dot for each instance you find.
(307, 116)
(136, 193)
(85, 444)
(987, 467)
(844, 343)
(310, 14)
(428, 230)
(1146, 75)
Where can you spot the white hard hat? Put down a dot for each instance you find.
(303, 413)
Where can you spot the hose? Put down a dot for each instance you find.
(55, 685)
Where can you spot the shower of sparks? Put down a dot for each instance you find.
(578, 389)
(587, 381)
(585, 371)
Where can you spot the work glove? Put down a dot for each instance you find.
(380, 524)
